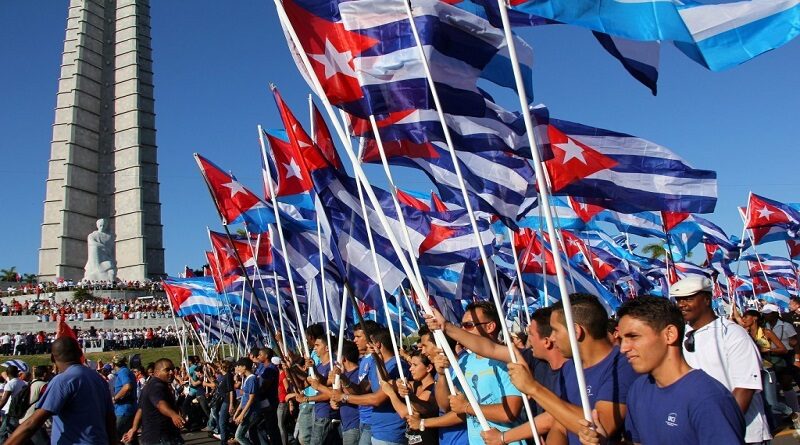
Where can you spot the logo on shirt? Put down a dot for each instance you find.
(589, 390)
(672, 419)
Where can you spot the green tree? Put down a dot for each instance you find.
(30, 278)
(9, 274)
(654, 251)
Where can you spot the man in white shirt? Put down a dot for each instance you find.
(788, 336)
(14, 385)
(724, 350)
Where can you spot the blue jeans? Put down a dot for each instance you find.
(305, 423)
(365, 434)
(223, 423)
(351, 436)
(320, 431)
(241, 434)
(383, 442)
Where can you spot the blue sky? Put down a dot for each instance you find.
(214, 61)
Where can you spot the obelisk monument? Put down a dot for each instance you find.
(103, 157)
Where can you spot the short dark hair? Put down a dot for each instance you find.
(656, 312)
(383, 337)
(794, 298)
(254, 351)
(488, 308)
(66, 350)
(588, 312)
(245, 361)
(542, 318)
(12, 371)
(350, 351)
(368, 327)
(315, 331)
(40, 371)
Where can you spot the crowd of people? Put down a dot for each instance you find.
(46, 310)
(28, 343)
(660, 372)
(48, 287)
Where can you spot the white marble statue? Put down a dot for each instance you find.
(100, 264)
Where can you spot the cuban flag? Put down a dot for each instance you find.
(253, 251)
(794, 249)
(623, 172)
(499, 183)
(765, 212)
(769, 265)
(718, 36)
(235, 203)
(460, 47)
(409, 131)
(646, 224)
(193, 296)
(564, 216)
(685, 269)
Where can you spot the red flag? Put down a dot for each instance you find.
(63, 329)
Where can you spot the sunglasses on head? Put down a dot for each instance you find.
(689, 342)
(471, 325)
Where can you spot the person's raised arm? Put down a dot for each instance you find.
(475, 343)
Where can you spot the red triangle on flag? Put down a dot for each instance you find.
(572, 160)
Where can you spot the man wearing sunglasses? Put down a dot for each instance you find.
(488, 378)
(724, 350)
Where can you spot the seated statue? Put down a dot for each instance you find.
(100, 264)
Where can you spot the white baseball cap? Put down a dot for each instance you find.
(690, 286)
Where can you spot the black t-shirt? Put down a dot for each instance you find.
(156, 426)
(226, 384)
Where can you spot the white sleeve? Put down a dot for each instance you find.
(744, 356)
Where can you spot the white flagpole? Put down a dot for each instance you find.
(324, 292)
(519, 275)
(440, 342)
(255, 252)
(468, 205)
(342, 321)
(539, 171)
(381, 289)
(359, 173)
(285, 252)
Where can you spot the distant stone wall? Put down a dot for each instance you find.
(28, 323)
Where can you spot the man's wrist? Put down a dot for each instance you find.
(422, 424)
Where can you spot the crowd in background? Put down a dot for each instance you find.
(20, 288)
(46, 310)
(661, 371)
(28, 343)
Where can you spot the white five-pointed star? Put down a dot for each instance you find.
(536, 259)
(764, 213)
(573, 242)
(292, 169)
(235, 187)
(335, 62)
(229, 252)
(571, 151)
(599, 261)
(584, 206)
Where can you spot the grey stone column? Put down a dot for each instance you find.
(103, 161)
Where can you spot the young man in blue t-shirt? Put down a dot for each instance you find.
(387, 428)
(500, 402)
(608, 374)
(673, 403)
(324, 415)
(362, 334)
(245, 414)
